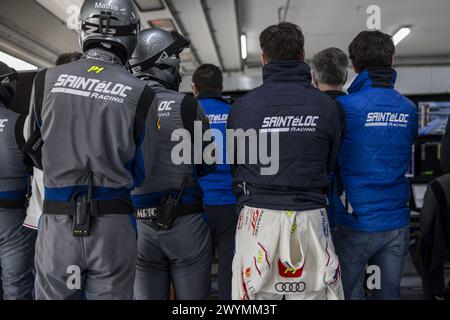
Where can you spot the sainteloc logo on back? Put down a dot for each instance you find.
(290, 124)
(387, 119)
(91, 88)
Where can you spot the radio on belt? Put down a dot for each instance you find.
(82, 219)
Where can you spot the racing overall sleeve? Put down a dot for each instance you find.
(145, 110)
(191, 113)
(34, 143)
(31, 129)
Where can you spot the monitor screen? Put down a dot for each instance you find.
(433, 117)
(427, 156)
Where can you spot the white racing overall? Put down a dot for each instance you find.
(285, 253)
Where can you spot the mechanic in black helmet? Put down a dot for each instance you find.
(89, 122)
(174, 245)
(16, 241)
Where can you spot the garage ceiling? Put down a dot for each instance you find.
(329, 23)
(36, 31)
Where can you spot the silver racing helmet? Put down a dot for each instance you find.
(114, 23)
(157, 56)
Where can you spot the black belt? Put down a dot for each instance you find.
(180, 210)
(287, 189)
(12, 204)
(96, 207)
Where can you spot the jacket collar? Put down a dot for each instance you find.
(289, 71)
(211, 94)
(206, 94)
(374, 78)
(334, 94)
(102, 55)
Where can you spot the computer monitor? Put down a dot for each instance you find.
(427, 156)
(433, 116)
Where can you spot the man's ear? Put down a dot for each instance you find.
(346, 78)
(194, 90)
(314, 79)
(264, 60)
(302, 55)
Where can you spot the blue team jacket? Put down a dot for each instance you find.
(372, 191)
(217, 185)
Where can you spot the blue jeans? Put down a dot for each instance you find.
(357, 249)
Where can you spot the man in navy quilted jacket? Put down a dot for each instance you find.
(371, 196)
(283, 242)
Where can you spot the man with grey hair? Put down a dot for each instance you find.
(329, 74)
(329, 71)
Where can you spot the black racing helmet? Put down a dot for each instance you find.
(113, 23)
(157, 56)
(8, 80)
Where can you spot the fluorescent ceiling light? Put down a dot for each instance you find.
(400, 35)
(149, 5)
(16, 63)
(244, 47)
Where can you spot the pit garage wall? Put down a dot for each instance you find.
(410, 80)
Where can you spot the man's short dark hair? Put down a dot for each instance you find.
(68, 58)
(283, 41)
(371, 49)
(208, 77)
(330, 66)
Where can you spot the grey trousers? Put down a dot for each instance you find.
(16, 255)
(180, 256)
(100, 266)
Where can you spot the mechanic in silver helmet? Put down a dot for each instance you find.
(86, 136)
(174, 245)
(16, 241)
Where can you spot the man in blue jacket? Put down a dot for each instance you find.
(371, 196)
(218, 198)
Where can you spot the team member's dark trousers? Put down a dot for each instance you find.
(16, 255)
(180, 256)
(222, 221)
(100, 266)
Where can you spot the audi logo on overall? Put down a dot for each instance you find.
(290, 287)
